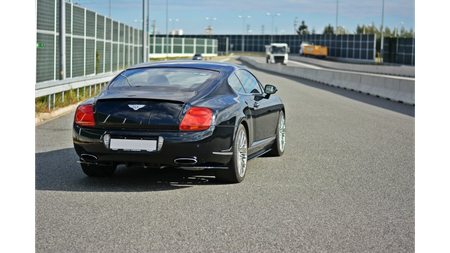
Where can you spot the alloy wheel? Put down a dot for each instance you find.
(242, 153)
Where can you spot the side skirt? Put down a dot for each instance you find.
(201, 168)
(258, 154)
(261, 147)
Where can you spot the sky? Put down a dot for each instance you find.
(192, 14)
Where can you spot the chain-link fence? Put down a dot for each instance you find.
(96, 44)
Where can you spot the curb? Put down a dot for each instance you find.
(44, 117)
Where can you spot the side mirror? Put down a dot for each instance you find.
(270, 89)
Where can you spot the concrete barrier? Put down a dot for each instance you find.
(403, 70)
(389, 88)
(346, 80)
(406, 92)
(393, 88)
(326, 77)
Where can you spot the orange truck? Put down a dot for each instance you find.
(309, 49)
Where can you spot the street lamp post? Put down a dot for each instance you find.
(144, 35)
(210, 27)
(337, 12)
(382, 34)
(173, 24)
(272, 16)
(210, 20)
(167, 29)
(396, 40)
(396, 29)
(243, 30)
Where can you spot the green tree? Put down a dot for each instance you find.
(303, 29)
(328, 29)
(388, 32)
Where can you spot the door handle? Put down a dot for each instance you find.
(256, 104)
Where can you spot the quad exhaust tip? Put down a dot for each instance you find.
(186, 160)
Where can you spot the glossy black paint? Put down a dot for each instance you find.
(164, 112)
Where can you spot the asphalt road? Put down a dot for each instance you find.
(295, 63)
(344, 184)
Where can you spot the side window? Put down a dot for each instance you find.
(249, 82)
(235, 83)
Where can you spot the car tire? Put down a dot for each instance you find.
(93, 170)
(237, 167)
(280, 141)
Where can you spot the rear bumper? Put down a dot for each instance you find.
(208, 149)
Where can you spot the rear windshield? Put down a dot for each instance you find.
(165, 78)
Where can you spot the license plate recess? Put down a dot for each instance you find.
(133, 145)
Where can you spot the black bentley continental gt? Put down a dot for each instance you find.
(184, 114)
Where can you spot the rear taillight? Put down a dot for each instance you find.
(197, 118)
(85, 116)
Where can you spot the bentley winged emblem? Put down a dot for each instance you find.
(136, 107)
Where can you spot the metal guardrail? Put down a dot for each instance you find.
(51, 88)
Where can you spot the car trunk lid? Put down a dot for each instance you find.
(140, 110)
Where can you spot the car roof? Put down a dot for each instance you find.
(211, 65)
